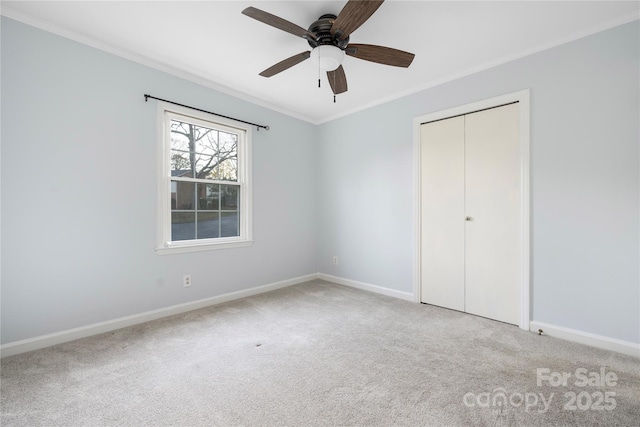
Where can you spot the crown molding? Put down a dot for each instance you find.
(621, 20)
(197, 78)
(200, 79)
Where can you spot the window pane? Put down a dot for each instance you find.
(226, 170)
(180, 135)
(189, 137)
(183, 196)
(181, 164)
(212, 142)
(209, 197)
(228, 138)
(183, 226)
(229, 224)
(205, 166)
(229, 197)
(208, 225)
(200, 152)
(206, 141)
(208, 167)
(227, 167)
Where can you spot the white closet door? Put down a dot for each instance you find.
(492, 184)
(442, 239)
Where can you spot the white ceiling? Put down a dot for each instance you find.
(212, 43)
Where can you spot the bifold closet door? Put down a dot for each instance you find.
(492, 202)
(471, 213)
(442, 238)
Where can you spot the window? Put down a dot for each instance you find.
(204, 187)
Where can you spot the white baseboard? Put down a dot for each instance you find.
(23, 346)
(48, 340)
(408, 296)
(599, 341)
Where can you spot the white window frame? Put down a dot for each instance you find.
(164, 244)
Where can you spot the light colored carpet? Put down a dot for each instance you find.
(316, 354)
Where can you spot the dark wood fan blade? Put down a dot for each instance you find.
(380, 54)
(353, 15)
(337, 80)
(276, 21)
(287, 63)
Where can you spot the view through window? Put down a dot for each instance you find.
(207, 182)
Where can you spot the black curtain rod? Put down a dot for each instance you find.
(146, 98)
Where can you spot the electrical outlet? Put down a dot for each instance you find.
(335, 260)
(186, 280)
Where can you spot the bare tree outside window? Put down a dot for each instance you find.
(204, 166)
(203, 153)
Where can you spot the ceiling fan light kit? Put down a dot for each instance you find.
(329, 39)
(327, 57)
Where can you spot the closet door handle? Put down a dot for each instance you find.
(468, 218)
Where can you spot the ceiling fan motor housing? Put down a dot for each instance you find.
(322, 30)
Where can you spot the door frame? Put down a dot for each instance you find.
(523, 98)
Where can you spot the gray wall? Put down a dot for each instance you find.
(79, 190)
(78, 187)
(584, 171)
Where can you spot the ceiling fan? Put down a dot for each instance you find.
(329, 40)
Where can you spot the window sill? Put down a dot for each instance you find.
(195, 247)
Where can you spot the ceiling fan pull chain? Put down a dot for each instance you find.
(334, 85)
